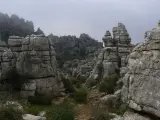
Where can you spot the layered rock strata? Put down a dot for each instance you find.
(113, 55)
(35, 58)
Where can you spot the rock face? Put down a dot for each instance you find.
(34, 57)
(85, 67)
(114, 54)
(141, 88)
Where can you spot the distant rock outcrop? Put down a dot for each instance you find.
(76, 55)
(141, 83)
(113, 55)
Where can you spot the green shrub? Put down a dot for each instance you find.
(12, 77)
(103, 87)
(68, 84)
(40, 100)
(79, 80)
(10, 114)
(93, 83)
(61, 112)
(73, 80)
(108, 84)
(80, 96)
(82, 79)
(77, 85)
(120, 110)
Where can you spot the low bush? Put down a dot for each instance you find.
(61, 112)
(79, 80)
(10, 114)
(77, 85)
(108, 84)
(80, 96)
(73, 80)
(68, 84)
(103, 87)
(119, 110)
(40, 100)
(82, 79)
(93, 83)
(14, 79)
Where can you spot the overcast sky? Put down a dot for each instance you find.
(94, 17)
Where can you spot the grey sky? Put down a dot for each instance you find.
(94, 17)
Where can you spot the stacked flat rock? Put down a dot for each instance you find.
(121, 35)
(15, 44)
(37, 61)
(141, 83)
(123, 40)
(107, 39)
(7, 62)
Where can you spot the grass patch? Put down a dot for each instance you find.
(77, 82)
(36, 109)
(108, 84)
(61, 112)
(40, 100)
(80, 96)
(120, 110)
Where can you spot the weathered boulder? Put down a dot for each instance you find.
(15, 105)
(32, 117)
(37, 61)
(141, 83)
(15, 44)
(32, 57)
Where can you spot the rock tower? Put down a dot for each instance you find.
(114, 55)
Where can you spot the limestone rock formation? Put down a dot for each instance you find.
(141, 83)
(113, 55)
(69, 49)
(35, 58)
(83, 68)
